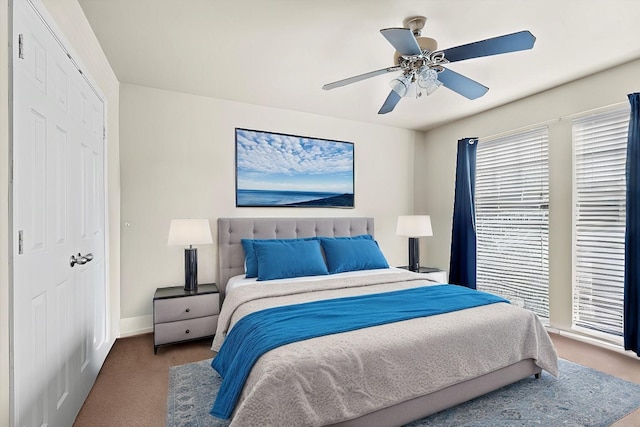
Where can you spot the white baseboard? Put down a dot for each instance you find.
(131, 326)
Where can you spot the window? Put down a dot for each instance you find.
(600, 150)
(512, 218)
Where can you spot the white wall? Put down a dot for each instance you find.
(178, 160)
(435, 180)
(74, 28)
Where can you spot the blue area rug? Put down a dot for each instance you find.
(579, 397)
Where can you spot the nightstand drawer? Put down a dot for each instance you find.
(172, 309)
(185, 330)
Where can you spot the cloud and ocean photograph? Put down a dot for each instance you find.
(274, 169)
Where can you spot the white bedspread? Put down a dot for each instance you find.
(343, 376)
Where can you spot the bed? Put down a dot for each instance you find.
(384, 375)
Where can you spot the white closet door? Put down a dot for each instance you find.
(59, 311)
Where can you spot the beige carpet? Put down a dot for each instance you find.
(131, 389)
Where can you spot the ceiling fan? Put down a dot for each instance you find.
(422, 64)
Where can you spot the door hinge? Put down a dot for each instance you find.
(20, 242)
(21, 46)
(104, 133)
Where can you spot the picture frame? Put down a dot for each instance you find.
(281, 170)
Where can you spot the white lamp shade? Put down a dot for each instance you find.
(189, 232)
(414, 226)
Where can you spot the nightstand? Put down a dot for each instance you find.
(180, 315)
(432, 273)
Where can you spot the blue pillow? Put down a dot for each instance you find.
(351, 255)
(250, 260)
(285, 259)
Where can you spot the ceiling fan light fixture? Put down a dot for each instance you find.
(427, 77)
(413, 90)
(428, 80)
(432, 88)
(400, 85)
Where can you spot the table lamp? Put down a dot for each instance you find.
(414, 226)
(190, 232)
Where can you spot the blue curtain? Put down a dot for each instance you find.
(632, 233)
(462, 265)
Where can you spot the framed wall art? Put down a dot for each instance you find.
(276, 170)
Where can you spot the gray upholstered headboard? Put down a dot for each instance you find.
(231, 230)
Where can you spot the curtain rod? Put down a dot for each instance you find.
(548, 122)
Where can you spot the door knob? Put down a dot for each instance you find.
(80, 260)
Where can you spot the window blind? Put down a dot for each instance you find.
(600, 150)
(512, 218)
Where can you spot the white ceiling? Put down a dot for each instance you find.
(279, 53)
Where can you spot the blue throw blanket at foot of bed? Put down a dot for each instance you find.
(264, 330)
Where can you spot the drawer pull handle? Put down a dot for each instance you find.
(187, 331)
(188, 310)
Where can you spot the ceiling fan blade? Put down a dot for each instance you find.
(503, 44)
(390, 103)
(463, 85)
(364, 76)
(403, 40)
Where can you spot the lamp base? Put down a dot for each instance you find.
(414, 254)
(191, 269)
